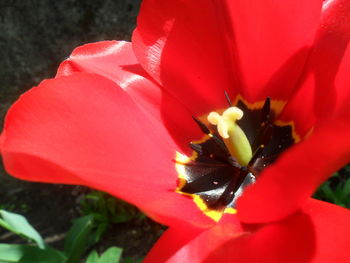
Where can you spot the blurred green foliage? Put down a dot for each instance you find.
(336, 189)
(99, 210)
(107, 210)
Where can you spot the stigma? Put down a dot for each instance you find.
(233, 136)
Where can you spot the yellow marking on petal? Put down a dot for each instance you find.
(276, 105)
(214, 118)
(295, 135)
(213, 214)
(230, 210)
(180, 165)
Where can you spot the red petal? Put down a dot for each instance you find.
(198, 49)
(324, 91)
(286, 185)
(170, 242)
(116, 61)
(318, 233)
(332, 231)
(191, 244)
(290, 241)
(84, 129)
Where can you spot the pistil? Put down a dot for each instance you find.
(233, 136)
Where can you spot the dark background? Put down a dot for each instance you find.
(35, 36)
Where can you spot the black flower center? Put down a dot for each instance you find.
(213, 177)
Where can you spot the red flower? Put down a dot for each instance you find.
(115, 115)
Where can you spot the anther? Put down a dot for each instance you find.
(234, 137)
(225, 121)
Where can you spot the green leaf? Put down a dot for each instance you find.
(19, 225)
(78, 238)
(10, 253)
(130, 260)
(346, 190)
(347, 168)
(97, 234)
(13, 253)
(92, 257)
(328, 192)
(111, 255)
(336, 174)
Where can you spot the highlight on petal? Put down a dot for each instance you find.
(116, 61)
(323, 91)
(110, 59)
(330, 61)
(84, 129)
(251, 48)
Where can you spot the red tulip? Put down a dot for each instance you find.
(117, 115)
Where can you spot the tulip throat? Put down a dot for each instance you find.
(238, 144)
(233, 136)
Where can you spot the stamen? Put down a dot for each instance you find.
(224, 122)
(224, 162)
(234, 137)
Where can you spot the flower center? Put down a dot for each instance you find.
(234, 138)
(238, 144)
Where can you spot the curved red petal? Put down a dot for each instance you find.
(332, 48)
(191, 244)
(84, 129)
(170, 242)
(318, 233)
(198, 49)
(291, 240)
(116, 61)
(332, 231)
(286, 185)
(324, 89)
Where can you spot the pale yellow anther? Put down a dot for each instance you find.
(234, 137)
(213, 118)
(225, 121)
(233, 113)
(223, 127)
